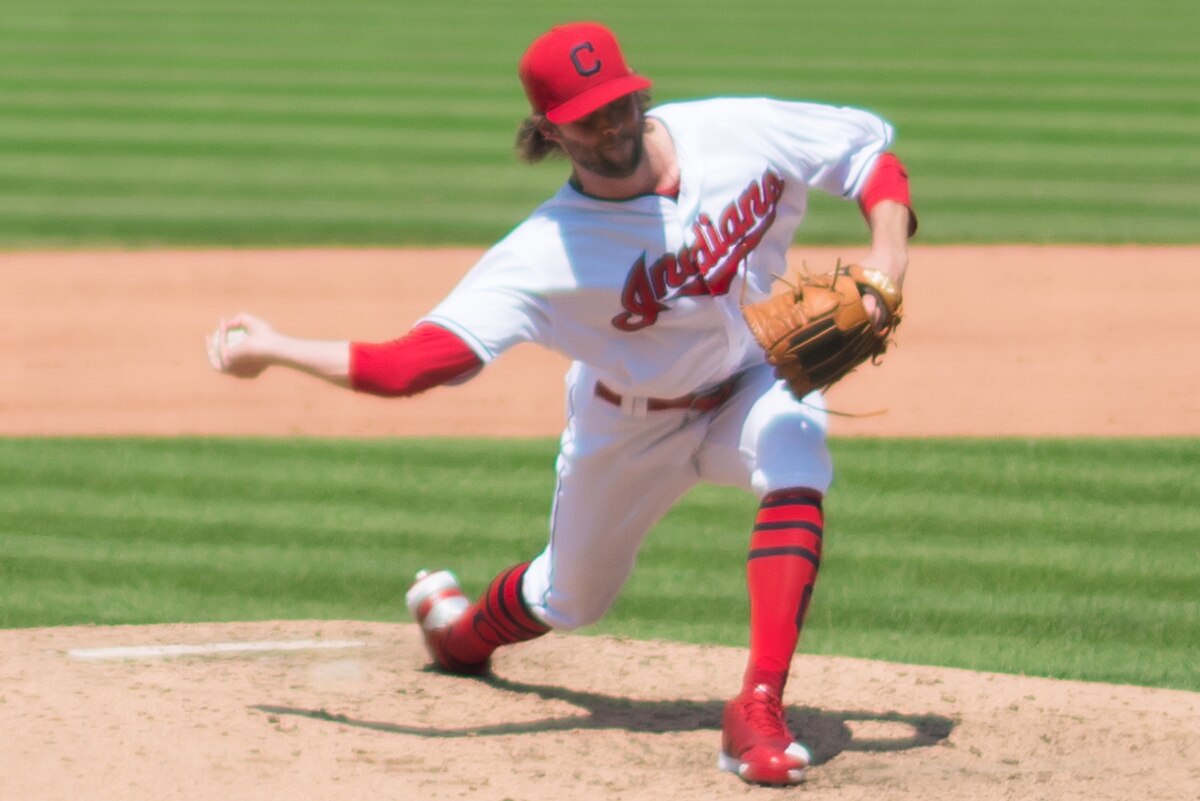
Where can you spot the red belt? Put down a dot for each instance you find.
(697, 401)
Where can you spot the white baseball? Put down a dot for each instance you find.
(234, 336)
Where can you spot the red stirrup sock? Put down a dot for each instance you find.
(499, 617)
(785, 553)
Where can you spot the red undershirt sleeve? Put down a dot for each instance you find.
(425, 357)
(888, 181)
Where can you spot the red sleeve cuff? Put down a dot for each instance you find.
(888, 181)
(425, 357)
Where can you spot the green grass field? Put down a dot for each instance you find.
(367, 122)
(1075, 559)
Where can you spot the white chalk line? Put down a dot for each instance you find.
(156, 651)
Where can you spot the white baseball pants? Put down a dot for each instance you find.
(618, 474)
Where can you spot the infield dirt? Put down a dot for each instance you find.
(997, 341)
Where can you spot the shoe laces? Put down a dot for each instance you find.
(765, 713)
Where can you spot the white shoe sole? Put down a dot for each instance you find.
(442, 613)
(735, 766)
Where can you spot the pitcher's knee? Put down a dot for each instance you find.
(572, 613)
(566, 602)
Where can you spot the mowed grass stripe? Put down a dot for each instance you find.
(979, 114)
(1170, 216)
(316, 24)
(1026, 655)
(331, 213)
(238, 48)
(136, 231)
(249, 173)
(1132, 470)
(944, 220)
(181, 518)
(104, 603)
(381, 80)
(1034, 126)
(48, 556)
(162, 178)
(963, 172)
(392, 63)
(494, 146)
(1003, 93)
(916, 69)
(232, 133)
(1074, 568)
(985, 126)
(117, 102)
(379, 202)
(320, 152)
(1082, 194)
(350, 463)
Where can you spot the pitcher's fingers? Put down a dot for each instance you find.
(220, 342)
(210, 348)
(241, 320)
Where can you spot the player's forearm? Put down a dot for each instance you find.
(326, 359)
(889, 222)
(886, 204)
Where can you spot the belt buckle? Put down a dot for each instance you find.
(634, 407)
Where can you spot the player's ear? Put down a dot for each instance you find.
(549, 131)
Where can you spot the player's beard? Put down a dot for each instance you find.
(620, 160)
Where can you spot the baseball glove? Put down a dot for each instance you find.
(819, 331)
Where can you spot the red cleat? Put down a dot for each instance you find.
(756, 743)
(437, 602)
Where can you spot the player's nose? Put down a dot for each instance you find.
(613, 118)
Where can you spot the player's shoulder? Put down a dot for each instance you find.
(535, 243)
(726, 122)
(708, 107)
(763, 121)
(732, 108)
(730, 115)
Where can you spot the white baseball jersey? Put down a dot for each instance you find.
(644, 295)
(646, 291)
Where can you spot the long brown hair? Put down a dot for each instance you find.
(533, 146)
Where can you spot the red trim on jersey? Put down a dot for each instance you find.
(888, 181)
(425, 357)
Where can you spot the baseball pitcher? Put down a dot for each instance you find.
(652, 269)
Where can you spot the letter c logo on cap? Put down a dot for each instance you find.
(578, 61)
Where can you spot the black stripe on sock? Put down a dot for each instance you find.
(530, 623)
(782, 525)
(771, 502)
(501, 612)
(519, 627)
(804, 553)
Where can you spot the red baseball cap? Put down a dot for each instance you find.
(572, 70)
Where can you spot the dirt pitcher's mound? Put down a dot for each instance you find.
(327, 710)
